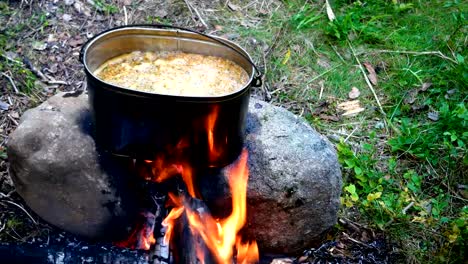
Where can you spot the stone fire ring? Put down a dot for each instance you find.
(293, 190)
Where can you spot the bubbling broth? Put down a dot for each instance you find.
(174, 73)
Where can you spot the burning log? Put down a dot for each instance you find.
(188, 247)
(213, 239)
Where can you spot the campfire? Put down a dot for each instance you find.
(189, 221)
(171, 153)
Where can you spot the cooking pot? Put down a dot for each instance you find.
(208, 131)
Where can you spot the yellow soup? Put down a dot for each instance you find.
(174, 73)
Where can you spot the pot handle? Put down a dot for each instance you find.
(257, 79)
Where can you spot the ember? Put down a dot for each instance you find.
(142, 236)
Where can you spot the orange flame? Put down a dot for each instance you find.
(214, 149)
(221, 236)
(169, 222)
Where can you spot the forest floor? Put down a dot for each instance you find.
(386, 81)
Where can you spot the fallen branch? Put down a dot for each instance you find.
(372, 90)
(367, 80)
(11, 81)
(13, 120)
(35, 70)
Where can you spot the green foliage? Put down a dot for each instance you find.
(23, 77)
(356, 23)
(108, 9)
(441, 141)
(3, 154)
(305, 18)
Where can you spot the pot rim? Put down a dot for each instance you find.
(255, 78)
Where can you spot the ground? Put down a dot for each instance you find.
(386, 81)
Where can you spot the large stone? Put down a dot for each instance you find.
(295, 180)
(294, 183)
(56, 169)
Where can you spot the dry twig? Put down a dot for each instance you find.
(3, 227)
(407, 208)
(11, 81)
(355, 241)
(125, 15)
(367, 80)
(13, 120)
(192, 8)
(22, 208)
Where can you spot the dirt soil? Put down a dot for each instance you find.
(46, 49)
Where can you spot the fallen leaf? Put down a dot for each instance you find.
(218, 27)
(354, 93)
(410, 97)
(411, 94)
(231, 36)
(233, 7)
(321, 108)
(323, 62)
(425, 86)
(434, 116)
(263, 12)
(161, 13)
(75, 42)
(450, 92)
(4, 106)
(66, 17)
(329, 117)
(372, 74)
(330, 13)
(379, 125)
(69, 2)
(15, 115)
(417, 108)
(81, 8)
(350, 107)
(286, 57)
(12, 55)
(38, 45)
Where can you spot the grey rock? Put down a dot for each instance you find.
(294, 183)
(56, 169)
(295, 180)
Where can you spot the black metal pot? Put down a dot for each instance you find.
(144, 125)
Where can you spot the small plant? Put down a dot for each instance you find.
(108, 9)
(3, 154)
(305, 18)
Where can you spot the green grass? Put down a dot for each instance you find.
(402, 179)
(10, 32)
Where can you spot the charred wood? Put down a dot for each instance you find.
(70, 254)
